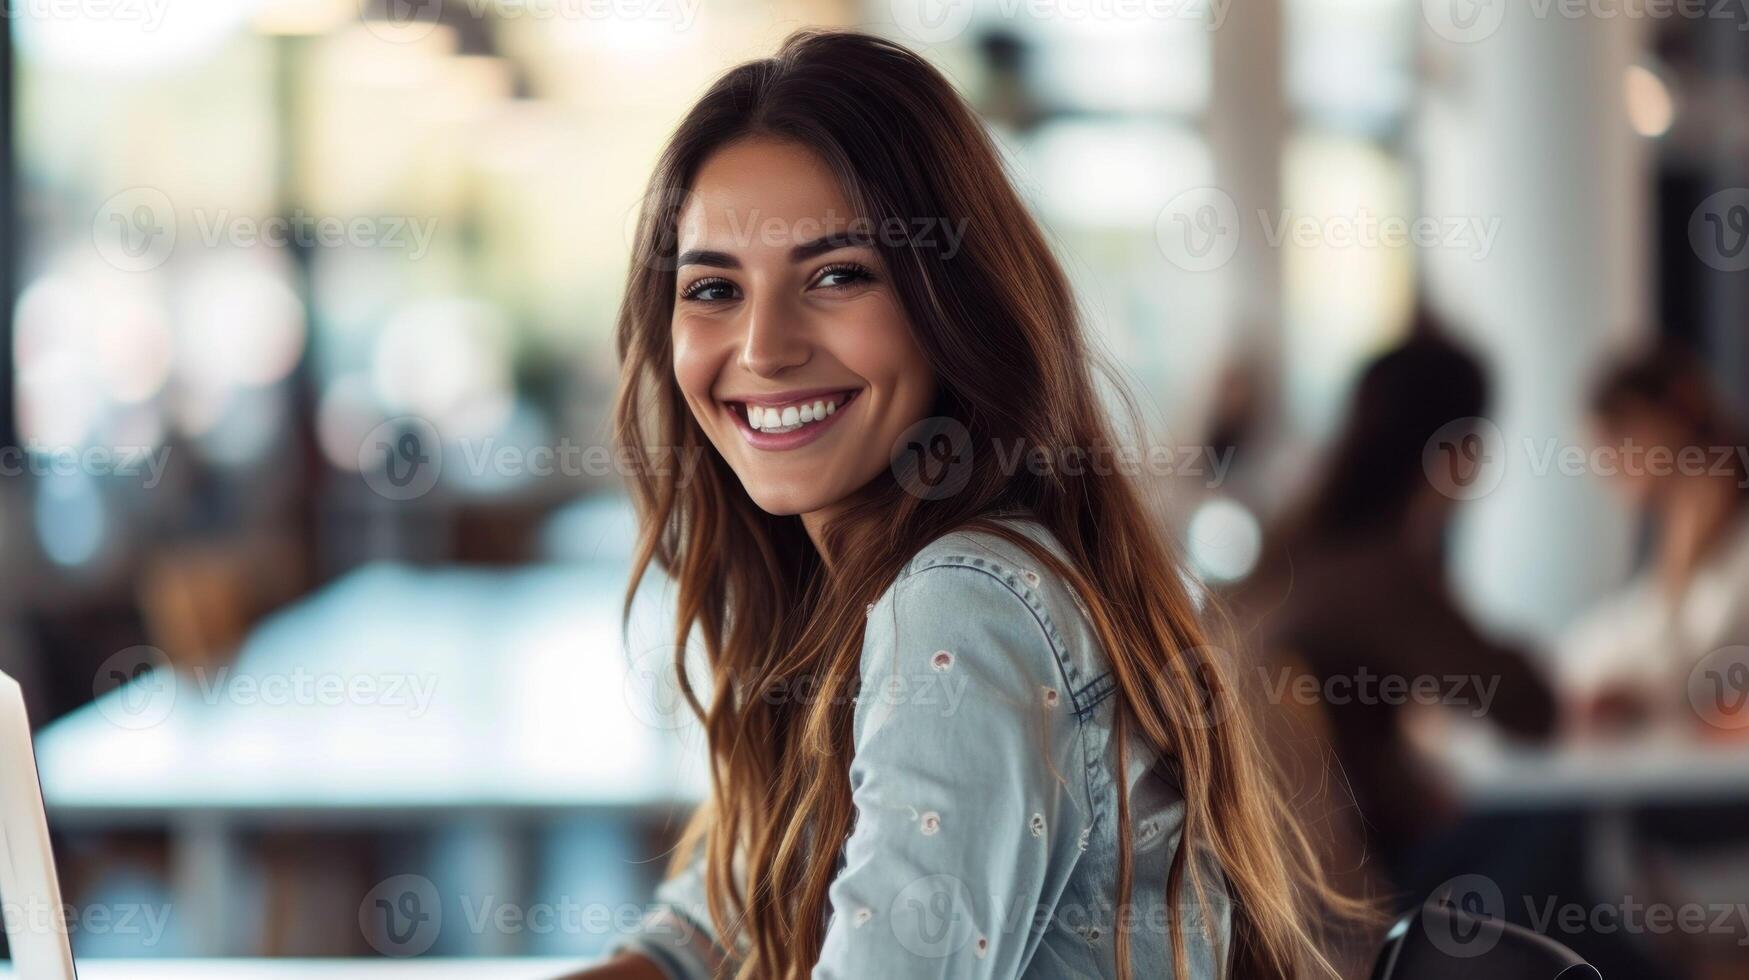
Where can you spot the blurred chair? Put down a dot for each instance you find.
(1441, 942)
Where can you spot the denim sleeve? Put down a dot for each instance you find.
(969, 801)
(676, 934)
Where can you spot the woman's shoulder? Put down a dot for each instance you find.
(977, 574)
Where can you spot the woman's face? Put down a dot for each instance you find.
(790, 345)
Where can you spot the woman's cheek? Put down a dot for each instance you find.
(694, 370)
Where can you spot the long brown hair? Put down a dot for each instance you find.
(996, 318)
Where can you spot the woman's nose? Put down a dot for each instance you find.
(774, 341)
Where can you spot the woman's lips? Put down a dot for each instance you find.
(776, 437)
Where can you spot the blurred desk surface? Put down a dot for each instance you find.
(1655, 770)
(275, 969)
(397, 692)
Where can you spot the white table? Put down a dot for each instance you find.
(1651, 770)
(467, 700)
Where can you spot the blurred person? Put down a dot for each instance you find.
(1353, 593)
(859, 532)
(1676, 455)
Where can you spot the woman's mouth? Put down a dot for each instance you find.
(791, 419)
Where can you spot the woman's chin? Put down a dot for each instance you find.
(783, 499)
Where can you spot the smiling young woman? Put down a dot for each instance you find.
(1013, 753)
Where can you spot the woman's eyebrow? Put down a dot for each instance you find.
(829, 243)
(716, 260)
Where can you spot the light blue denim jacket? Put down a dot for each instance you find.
(984, 781)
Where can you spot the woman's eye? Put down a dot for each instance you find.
(840, 276)
(709, 290)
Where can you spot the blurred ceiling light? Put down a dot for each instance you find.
(297, 18)
(241, 325)
(345, 415)
(123, 38)
(1650, 107)
(1224, 540)
(1140, 166)
(53, 314)
(197, 407)
(446, 361)
(132, 344)
(58, 401)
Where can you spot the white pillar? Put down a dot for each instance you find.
(1526, 124)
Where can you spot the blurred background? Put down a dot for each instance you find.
(313, 544)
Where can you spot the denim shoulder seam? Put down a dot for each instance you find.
(1066, 667)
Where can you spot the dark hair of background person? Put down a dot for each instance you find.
(1376, 467)
(1669, 378)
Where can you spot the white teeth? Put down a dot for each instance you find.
(789, 418)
